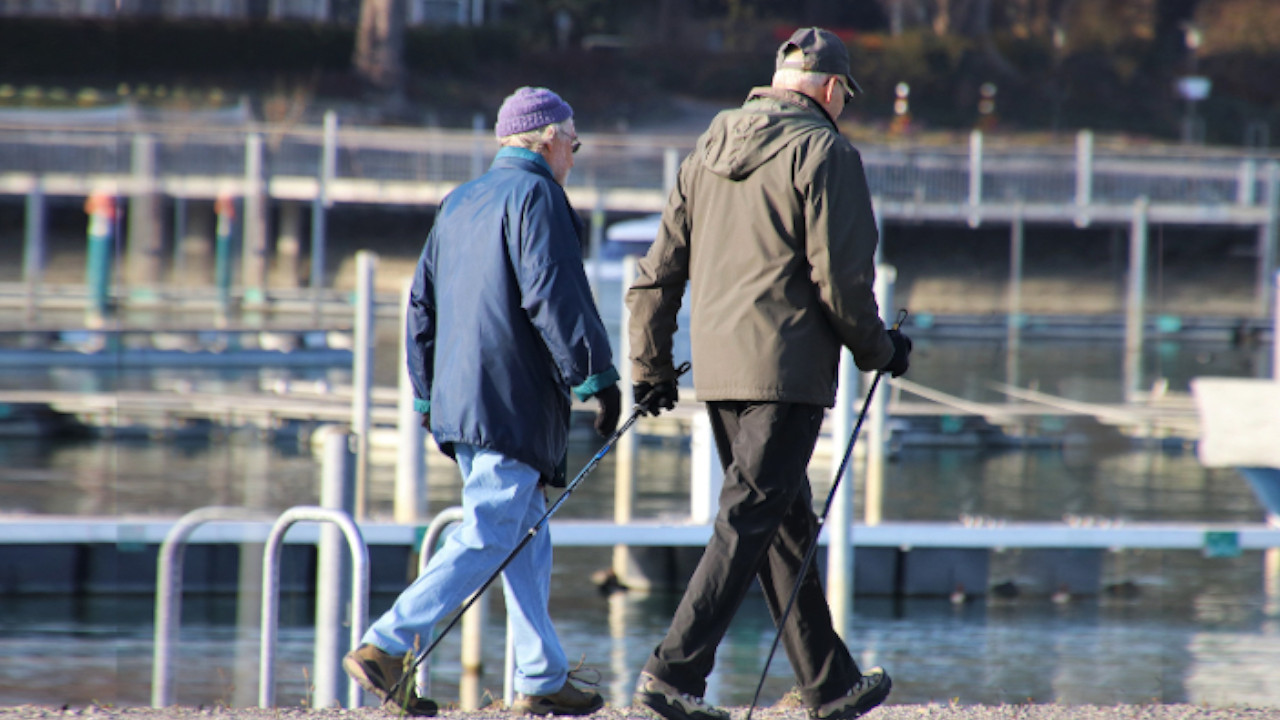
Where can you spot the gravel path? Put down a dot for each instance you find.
(890, 712)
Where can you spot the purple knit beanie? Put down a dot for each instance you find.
(530, 108)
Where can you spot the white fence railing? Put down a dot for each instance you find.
(984, 170)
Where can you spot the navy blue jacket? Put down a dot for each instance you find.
(502, 324)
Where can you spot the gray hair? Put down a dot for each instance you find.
(537, 138)
(803, 81)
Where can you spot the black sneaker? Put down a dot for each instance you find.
(865, 695)
(672, 704)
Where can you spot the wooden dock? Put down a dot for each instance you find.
(281, 403)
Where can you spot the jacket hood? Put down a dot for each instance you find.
(739, 141)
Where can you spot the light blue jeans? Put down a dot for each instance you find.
(501, 500)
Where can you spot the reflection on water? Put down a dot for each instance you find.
(1200, 630)
(1088, 652)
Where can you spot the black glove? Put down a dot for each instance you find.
(426, 421)
(652, 397)
(898, 364)
(610, 400)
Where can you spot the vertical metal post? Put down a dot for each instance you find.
(706, 474)
(319, 207)
(442, 520)
(1267, 239)
(271, 592)
(975, 169)
(253, 250)
(509, 666)
(596, 241)
(288, 245)
(168, 607)
(1014, 320)
(225, 209)
(877, 436)
(411, 475)
(333, 572)
(624, 451)
(839, 527)
(477, 145)
(470, 683)
(1084, 176)
(178, 271)
(1246, 192)
(670, 170)
(362, 374)
(101, 210)
(33, 254)
(1135, 308)
(1271, 575)
(143, 251)
(1275, 328)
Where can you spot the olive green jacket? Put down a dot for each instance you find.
(770, 223)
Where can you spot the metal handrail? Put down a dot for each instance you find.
(904, 171)
(442, 520)
(169, 591)
(271, 591)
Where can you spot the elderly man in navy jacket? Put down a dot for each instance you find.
(502, 327)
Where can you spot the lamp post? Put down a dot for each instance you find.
(1193, 87)
(901, 108)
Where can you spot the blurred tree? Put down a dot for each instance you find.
(379, 52)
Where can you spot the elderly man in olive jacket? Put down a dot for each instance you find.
(771, 226)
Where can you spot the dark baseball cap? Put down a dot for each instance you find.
(824, 52)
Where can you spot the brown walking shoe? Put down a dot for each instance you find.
(568, 700)
(377, 672)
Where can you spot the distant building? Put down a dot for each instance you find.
(417, 12)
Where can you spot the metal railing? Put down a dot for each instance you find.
(169, 592)
(271, 592)
(472, 630)
(197, 161)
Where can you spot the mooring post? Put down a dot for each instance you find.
(253, 250)
(975, 176)
(333, 568)
(1269, 238)
(840, 526)
(101, 209)
(328, 166)
(624, 451)
(877, 435)
(225, 209)
(33, 255)
(362, 374)
(411, 470)
(477, 145)
(1014, 320)
(1135, 310)
(1084, 176)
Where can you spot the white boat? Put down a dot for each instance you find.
(1240, 428)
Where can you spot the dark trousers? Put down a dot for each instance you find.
(763, 529)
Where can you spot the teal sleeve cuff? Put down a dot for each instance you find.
(422, 406)
(596, 383)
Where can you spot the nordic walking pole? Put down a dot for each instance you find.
(813, 546)
(537, 527)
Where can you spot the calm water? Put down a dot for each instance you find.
(1201, 630)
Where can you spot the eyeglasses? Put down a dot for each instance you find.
(844, 88)
(574, 144)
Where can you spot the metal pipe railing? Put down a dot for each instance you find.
(271, 591)
(169, 591)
